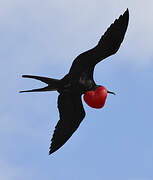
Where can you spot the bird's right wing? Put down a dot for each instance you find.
(71, 114)
(107, 46)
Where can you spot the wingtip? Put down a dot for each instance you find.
(53, 148)
(51, 151)
(126, 15)
(127, 11)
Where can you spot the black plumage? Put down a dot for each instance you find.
(80, 80)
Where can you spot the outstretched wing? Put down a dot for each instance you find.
(108, 45)
(71, 114)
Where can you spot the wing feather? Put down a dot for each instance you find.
(71, 114)
(107, 46)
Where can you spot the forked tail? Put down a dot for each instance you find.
(53, 84)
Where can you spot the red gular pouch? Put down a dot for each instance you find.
(97, 98)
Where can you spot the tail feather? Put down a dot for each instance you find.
(48, 88)
(53, 84)
(46, 80)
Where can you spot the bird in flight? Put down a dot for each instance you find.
(79, 81)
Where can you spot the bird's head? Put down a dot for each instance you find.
(96, 98)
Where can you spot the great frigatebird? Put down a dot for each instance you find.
(79, 80)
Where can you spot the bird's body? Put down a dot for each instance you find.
(78, 85)
(79, 80)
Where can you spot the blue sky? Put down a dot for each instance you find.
(43, 38)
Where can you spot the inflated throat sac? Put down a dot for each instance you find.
(97, 98)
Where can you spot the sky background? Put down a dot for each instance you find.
(43, 38)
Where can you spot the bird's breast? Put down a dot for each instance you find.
(77, 85)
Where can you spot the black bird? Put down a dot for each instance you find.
(80, 80)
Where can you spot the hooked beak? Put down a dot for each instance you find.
(110, 92)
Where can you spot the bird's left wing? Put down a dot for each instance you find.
(107, 46)
(71, 114)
